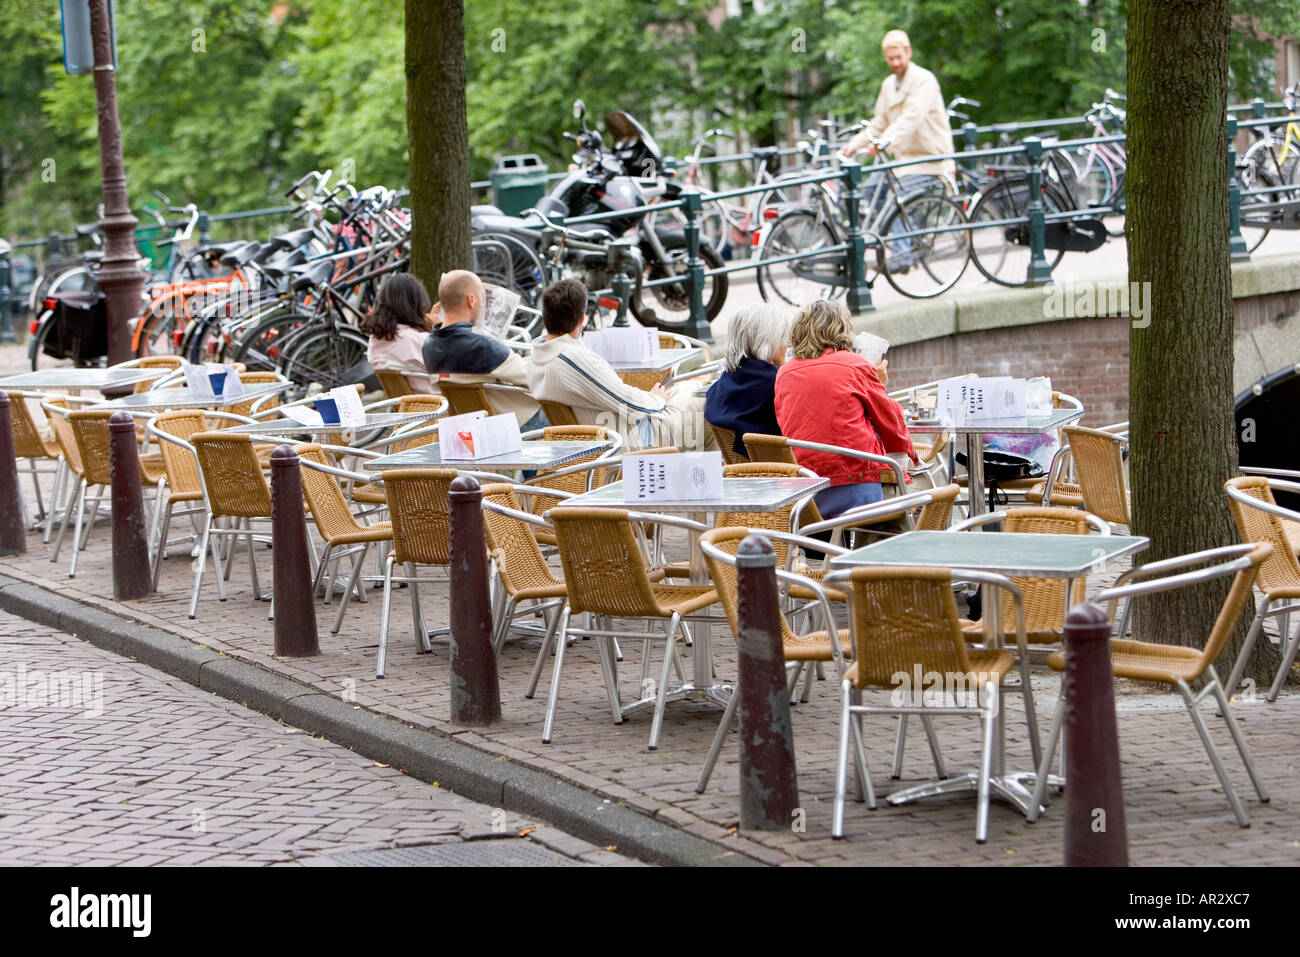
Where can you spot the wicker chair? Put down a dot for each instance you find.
(904, 621)
(1045, 599)
(572, 478)
(466, 397)
(520, 569)
(1100, 486)
(607, 571)
(394, 383)
(234, 488)
(172, 363)
(418, 509)
(57, 412)
(336, 524)
(182, 484)
(1260, 519)
(778, 448)
(1177, 665)
(557, 413)
(800, 650)
(726, 439)
(32, 445)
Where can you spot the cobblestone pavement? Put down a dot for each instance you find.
(1177, 814)
(132, 766)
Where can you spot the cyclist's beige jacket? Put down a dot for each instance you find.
(911, 116)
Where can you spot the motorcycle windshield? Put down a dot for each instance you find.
(624, 126)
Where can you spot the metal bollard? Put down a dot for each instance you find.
(1094, 795)
(13, 537)
(1039, 272)
(295, 605)
(132, 572)
(475, 692)
(859, 295)
(1237, 250)
(769, 786)
(697, 326)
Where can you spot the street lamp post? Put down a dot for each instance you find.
(119, 274)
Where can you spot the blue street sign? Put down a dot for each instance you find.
(78, 49)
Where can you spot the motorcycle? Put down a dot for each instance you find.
(626, 178)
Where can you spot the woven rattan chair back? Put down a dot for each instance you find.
(605, 566)
(726, 439)
(1099, 468)
(573, 483)
(57, 411)
(725, 578)
(418, 508)
(325, 500)
(903, 618)
(418, 402)
(937, 515)
(232, 477)
(1044, 598)
(261, 377)
(557, 413)
(512, 544)
(1225, 625)
(769, 448)
(28, 443)
(778, 520)
(181, 465)
(465, 397)
(90, 431)
(394, 383)
(1280, 570)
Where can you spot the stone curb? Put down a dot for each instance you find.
(425, 754)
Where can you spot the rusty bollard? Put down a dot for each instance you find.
(769, 786)
(13, 537)
(1094, 796)
(132, 574)
(475, 693)
(295, 605)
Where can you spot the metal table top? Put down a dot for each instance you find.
(157, 400)
(738, 495)
(1034, 422)
(1008, 553)
(665, 360)
(535, 455)
(70, 378)
(287, 426)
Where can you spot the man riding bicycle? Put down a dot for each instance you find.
(910, 121)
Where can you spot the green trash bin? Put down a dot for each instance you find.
(518, 182)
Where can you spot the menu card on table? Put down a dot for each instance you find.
(211, 381)
(477, 435)
(630, 345)
(340, 406)
(967, 401)
(677, 477)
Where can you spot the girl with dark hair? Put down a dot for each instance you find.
(397, 326)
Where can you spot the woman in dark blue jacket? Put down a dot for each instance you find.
(741, 400)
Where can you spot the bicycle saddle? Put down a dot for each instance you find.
(281, 269)
(87, 229)
(299, 237)
(307, 276)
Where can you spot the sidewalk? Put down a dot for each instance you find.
(600, 773)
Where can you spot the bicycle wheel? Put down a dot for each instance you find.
(930, 263)
(327, 357)
(800, 281)
(1001, 253)
(155, 330)
(504, 259)
(1095, 181)
(262, 348)
(1257, 170)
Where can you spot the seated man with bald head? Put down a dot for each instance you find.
(456, 352)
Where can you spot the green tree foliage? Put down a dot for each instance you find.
(267, 89)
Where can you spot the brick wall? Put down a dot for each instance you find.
(1087, 358)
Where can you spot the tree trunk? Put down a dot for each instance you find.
(1183, 445)
(438, 138)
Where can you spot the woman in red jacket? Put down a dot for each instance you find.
(829, 394)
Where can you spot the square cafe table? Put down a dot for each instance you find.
(664, 360)
(72, 378)
(1007, 553)
(158, 400)
(738, 495)
(287, 426)
(1032, 424)
(534, 455)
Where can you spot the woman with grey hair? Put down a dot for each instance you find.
(742, 398)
